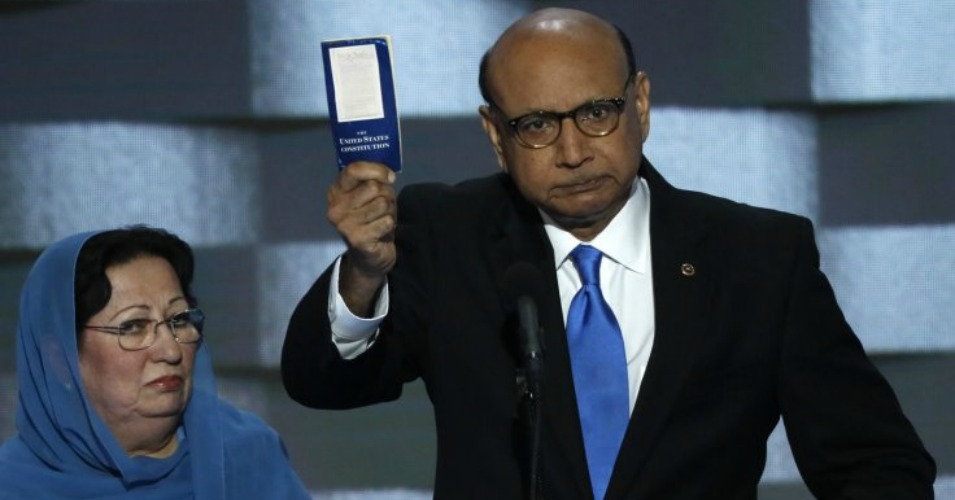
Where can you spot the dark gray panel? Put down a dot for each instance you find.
(445, 150)
(714, 53)
(14, 267)
(887, 165)
(124, 60)
(923, 384)
(225, 284)
(298, 166)
(389, 445)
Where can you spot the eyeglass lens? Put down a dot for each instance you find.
(594, 119)
(185, 327)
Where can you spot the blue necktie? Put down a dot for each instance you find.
(599, 366)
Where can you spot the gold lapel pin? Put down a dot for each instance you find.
(687, 269)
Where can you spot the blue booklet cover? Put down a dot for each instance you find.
(360, 86)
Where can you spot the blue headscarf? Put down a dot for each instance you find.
(64, 450)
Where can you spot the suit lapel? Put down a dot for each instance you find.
(519, 236)
(681, 290)
(681, 299)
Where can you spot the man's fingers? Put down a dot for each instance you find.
(354, 174)
(357, 185)
(365, 230)
(364, 203)
(362, 206)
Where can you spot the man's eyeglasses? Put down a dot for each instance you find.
(138, 334)
(597, 118)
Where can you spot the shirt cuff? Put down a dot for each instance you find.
(353, 335)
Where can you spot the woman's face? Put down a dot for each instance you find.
(134, 390)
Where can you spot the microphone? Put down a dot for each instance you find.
(523, 283)
(529, 332)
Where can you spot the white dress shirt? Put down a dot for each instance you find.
(626, 278)
(626, 281)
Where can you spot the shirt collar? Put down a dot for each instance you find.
(626, 239)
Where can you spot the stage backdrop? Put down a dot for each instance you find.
(209, 118)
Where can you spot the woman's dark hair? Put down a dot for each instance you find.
(91, 286)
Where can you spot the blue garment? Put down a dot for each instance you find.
(64, 450)
(599, 365)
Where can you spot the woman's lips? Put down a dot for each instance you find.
(167, 383)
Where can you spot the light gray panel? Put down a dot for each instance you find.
(286, 272)
(437, 48)
(894, 284)
(63, 178)
(780, 465)
(945, 488)
(888, 50)
(763, 158)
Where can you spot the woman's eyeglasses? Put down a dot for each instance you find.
(138, 334)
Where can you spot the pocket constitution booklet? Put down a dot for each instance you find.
(360, 86)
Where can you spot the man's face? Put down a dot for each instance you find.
(580, 181)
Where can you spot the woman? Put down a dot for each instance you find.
(116, 393)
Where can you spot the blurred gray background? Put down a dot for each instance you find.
(209, 118)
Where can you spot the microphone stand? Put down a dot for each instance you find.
(525, 280)
(529, 381)
(532, 398)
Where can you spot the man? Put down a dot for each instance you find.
(720, 321)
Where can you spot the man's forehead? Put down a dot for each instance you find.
(537, 63)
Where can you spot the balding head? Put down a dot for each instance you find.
(551, 23)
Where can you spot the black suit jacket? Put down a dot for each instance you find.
(752, 334)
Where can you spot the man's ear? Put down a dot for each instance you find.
(493, 134)
(642, 102)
